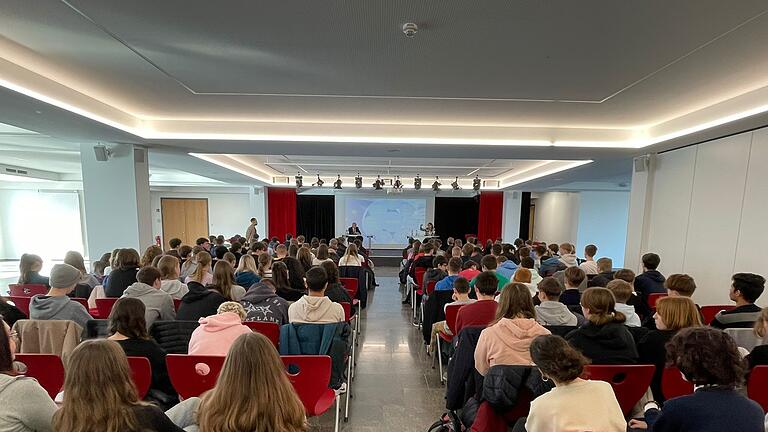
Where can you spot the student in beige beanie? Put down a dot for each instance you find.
(56, 305)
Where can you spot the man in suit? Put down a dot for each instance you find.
(354, 229)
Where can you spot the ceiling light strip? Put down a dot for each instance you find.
(546, 173)
(212, 159)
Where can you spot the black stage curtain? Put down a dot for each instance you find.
(315, 216)
(455, 217)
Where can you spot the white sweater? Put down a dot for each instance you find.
(582, 405)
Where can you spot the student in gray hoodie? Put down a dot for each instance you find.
(551, 311)
(158, 303)
(261, 303)
(56, 305)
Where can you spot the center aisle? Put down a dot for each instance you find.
(395, 387)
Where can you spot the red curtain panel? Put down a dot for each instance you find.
(281, 211)
(490, 216)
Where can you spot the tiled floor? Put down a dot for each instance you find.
(395, 387)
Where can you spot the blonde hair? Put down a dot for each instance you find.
(760, 323)
(602, 306)
(233, 307)
(98, 390)
(169, 267)
(522, 275)
(203, 264)
(621, 289)
(265, 264)
(239, 402)
(678, 312)
(247, 264)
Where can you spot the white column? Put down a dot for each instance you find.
(511, 217)
(640, 198)
(117, 201)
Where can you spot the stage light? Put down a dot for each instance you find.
(455, 184)
(299, 181)
(398, 184)
(417, 182)
(378, 183)
(358, 181)
(319, 182)
(476, 184)
(436, 185)
(337, 183)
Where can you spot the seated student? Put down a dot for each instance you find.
(622, 292)
(650, 280)
(202, 272)
(323, 255)
(261, 303)
(224, 282)
(315, 308)
(672, 315)
(24, 404)
(711, 361)
(281, 251)
(759, 354)
(505, 266)
(469, 270)
(75, 259)
(454, 268)
(199, 302)
(29, 270)
(506, 340)
(605, 273)
(247, 272)
(589, 265)
(128, 328)
(523, 276)
(56, 305)
(437, 272)
(460, 297)
(352, 257)
(238, 401)
(488, 264)
(158, 303)
(282, 283)
(265, 266)
(169, 277)
(551, 312)
(579, 404)
(746, 288)
(335, 291)
(556, 263)
(216, 333)
(483, 311)
(99, 394)
(527, 262)
(572, 278)
(604, 339)
(123, 273)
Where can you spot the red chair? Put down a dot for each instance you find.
(176, 304)
(141, 371)
(187, 378)
(82, 301)
(350, 284)
(673, 384)
(709, 312)
(104, 306)
(310, 377)
(22, 302)
(757, 387)
(27, 290)
(269, 329)
(47, 369)
(416, 289)
(451, 312)
(629, 382)
(653, 298)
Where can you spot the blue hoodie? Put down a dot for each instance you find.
(246, 279)
(507, 269)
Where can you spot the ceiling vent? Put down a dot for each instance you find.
(493, 184)
(281, 180)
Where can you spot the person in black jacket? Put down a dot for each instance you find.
(282, 284)
(650, 280)
(199, 302)
(334, 291)
(129, 329)
(10, 313)
(124, 275)
(604, 339)
(605, 275)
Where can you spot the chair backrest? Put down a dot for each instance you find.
(347, 310)
(744, 337)
(431, 287)
(47, 369)
(349, 284)
(81, 300)
(105, 305)
(22, 303)
(629, 382)
(560, 330)
(97, 329)
(176, 304)
(757, 387)
(141, 371)
(451, 312)
(709, 312)
(419, 273)
(192, 375)
(27, 290)
(269, 329)
(310, 376)
(653, 298)
(673, 384)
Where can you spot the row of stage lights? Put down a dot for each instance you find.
(397, 185)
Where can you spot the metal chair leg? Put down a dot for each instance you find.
(439, 355)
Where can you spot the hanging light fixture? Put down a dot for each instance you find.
(358, 181)
(378, 183)
(455, 184)
(476, 184)
(299, 181)
(398, 184)
(436, 185)
(417, 182)
(319, 181)
(337, 183)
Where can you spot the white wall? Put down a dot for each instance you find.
(707, 212)
(602, 221)
(557, 216)
(229, 209)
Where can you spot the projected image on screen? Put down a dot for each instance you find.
(390, 221)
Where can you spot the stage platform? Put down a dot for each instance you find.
(386, 257)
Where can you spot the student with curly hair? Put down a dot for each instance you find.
(709, 359)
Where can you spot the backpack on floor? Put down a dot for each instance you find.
(449, 422)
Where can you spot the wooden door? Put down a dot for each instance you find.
(184, 218)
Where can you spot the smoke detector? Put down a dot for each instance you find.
(410, 29)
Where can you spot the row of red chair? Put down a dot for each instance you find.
(707, 312)
(103, 305)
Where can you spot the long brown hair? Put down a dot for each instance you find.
(280, 275)
(149, 255)
(99, 393)
(602, 306)
(265, 264)
(238, 402)
(26, 262)
(6, 356)
(223, 278)
(203, 264)
(128, 318)
(127, 259)
(305, 258)
(515, 302)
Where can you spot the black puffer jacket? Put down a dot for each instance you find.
(199, 302)
(463, 379)
(173, 336)
(610, 343)
(502, 385)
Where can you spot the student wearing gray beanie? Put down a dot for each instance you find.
(56, 305)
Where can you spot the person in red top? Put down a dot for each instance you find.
(469, 270)
(483, 311)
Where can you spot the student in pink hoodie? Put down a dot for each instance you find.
(217, 332)
(506, 340)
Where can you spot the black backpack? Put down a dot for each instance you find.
(449, 422)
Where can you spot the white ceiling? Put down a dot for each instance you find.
(334, 85)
